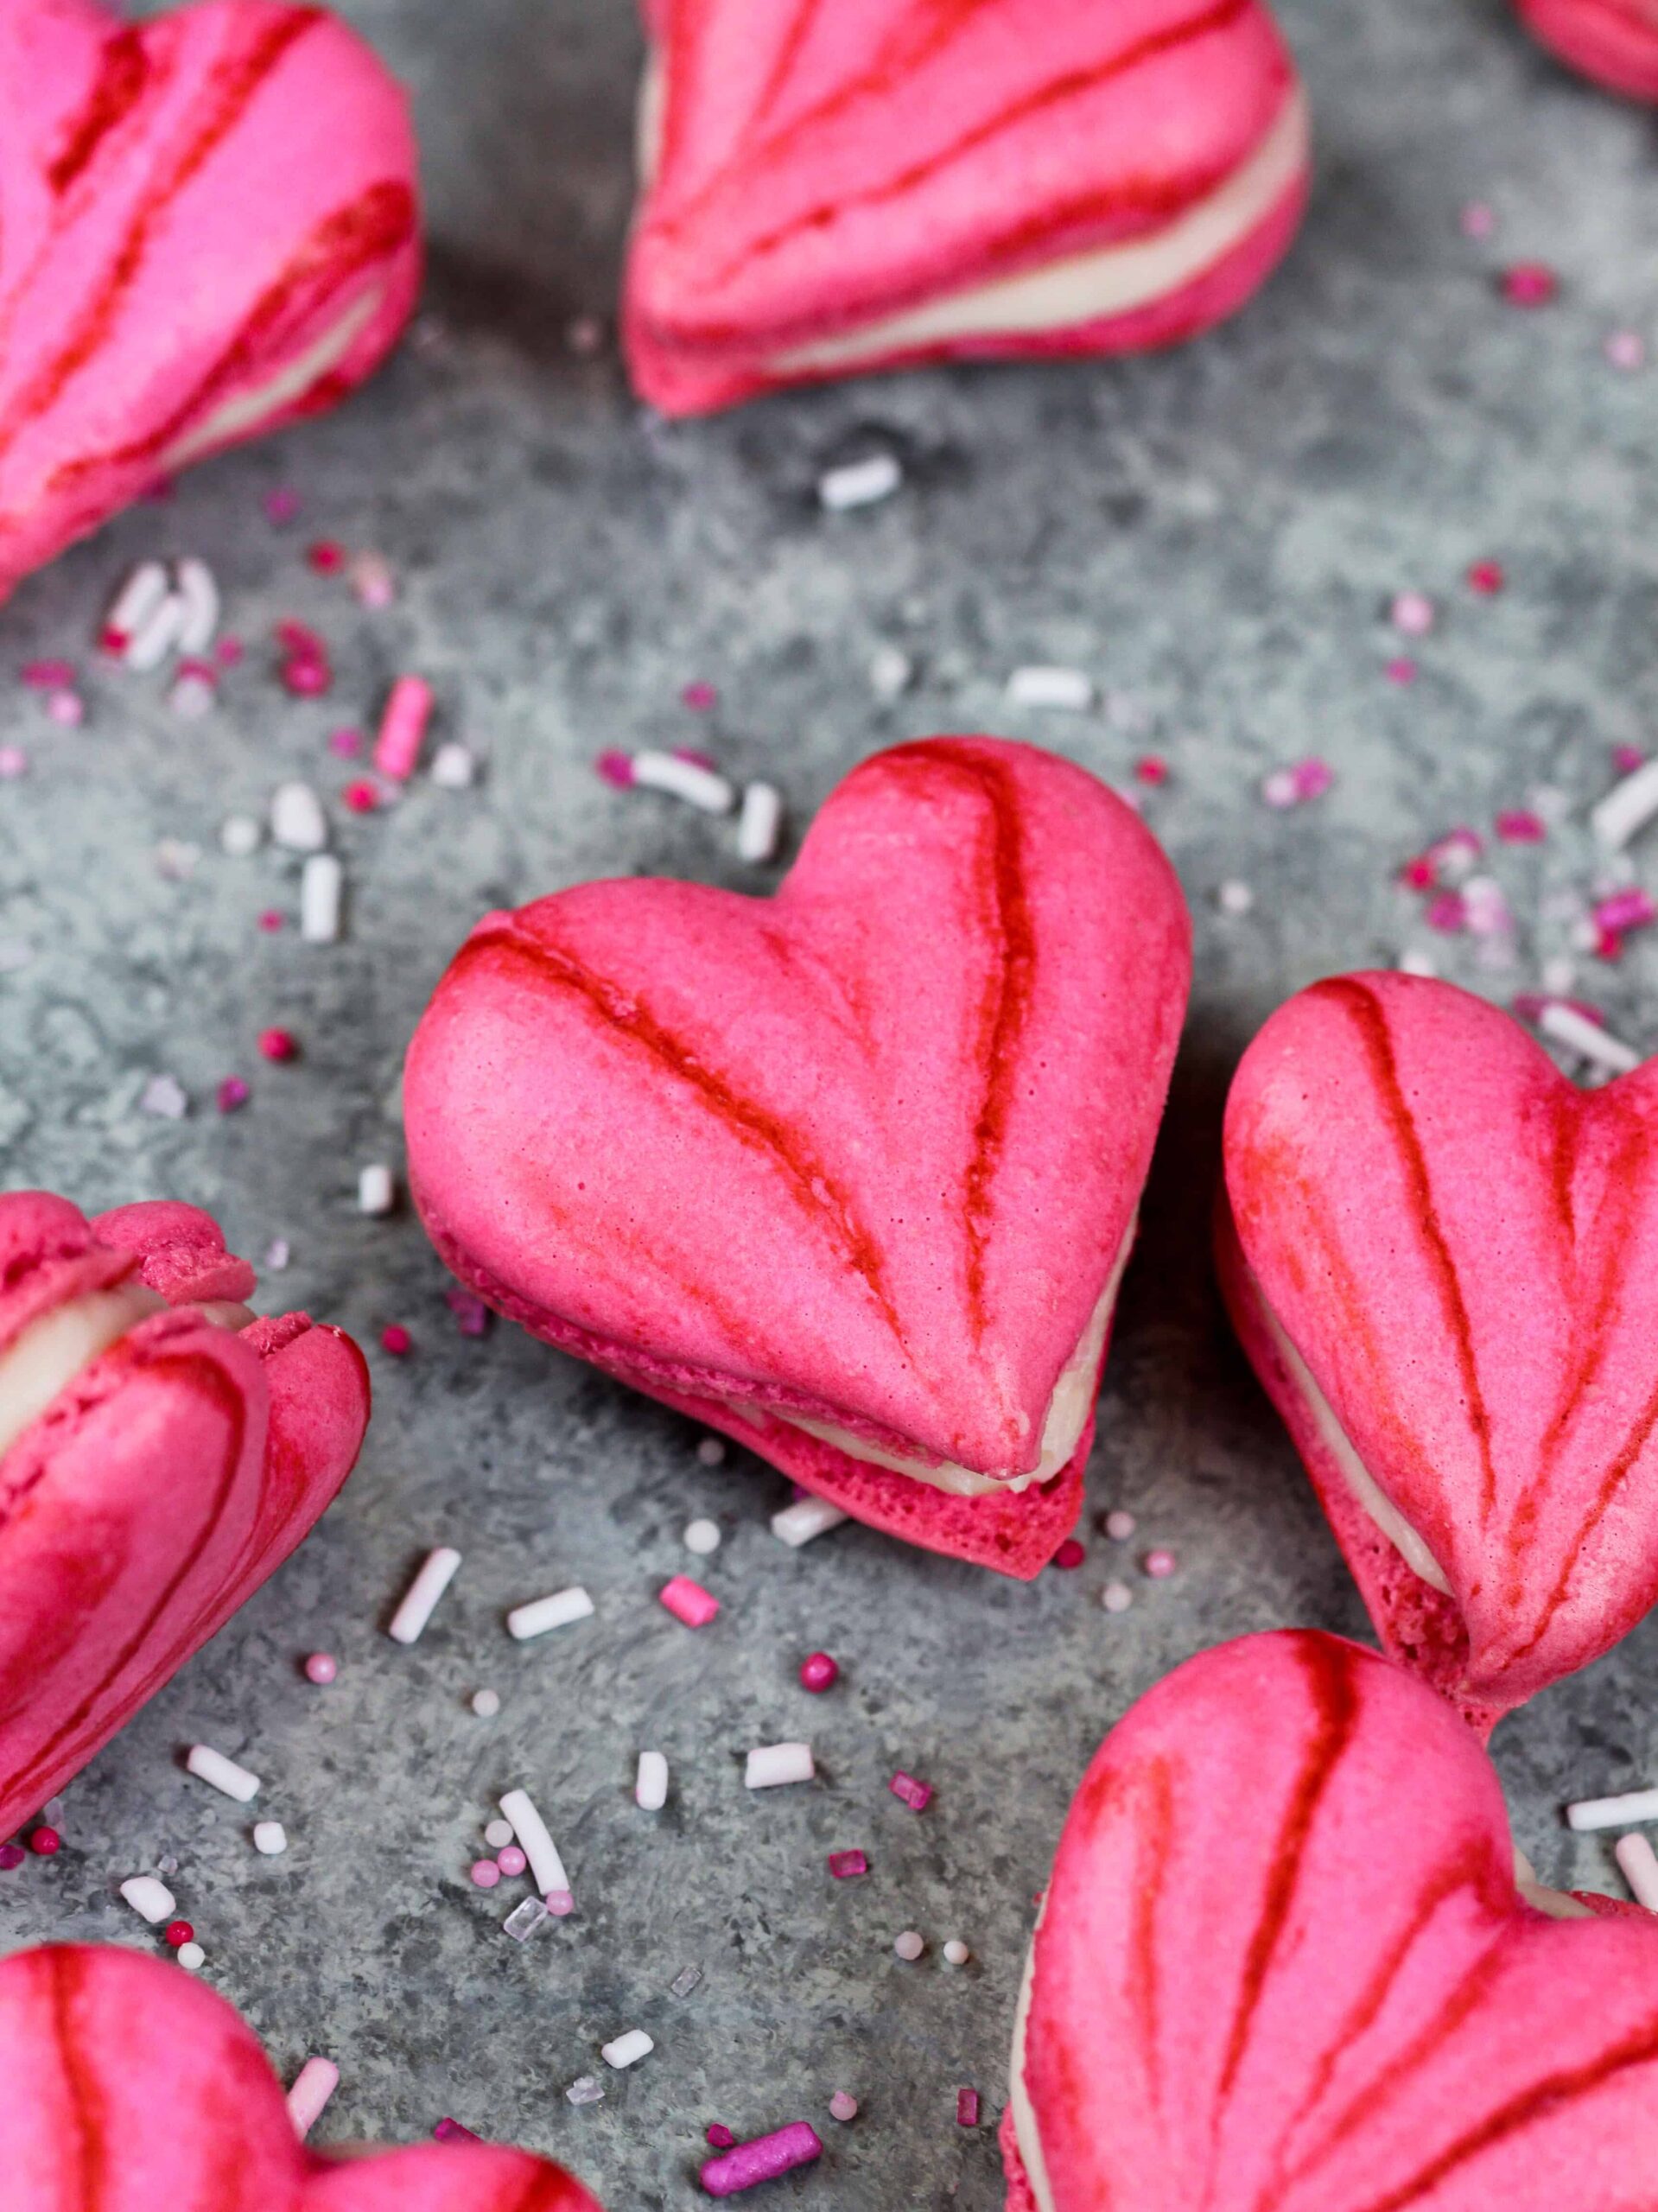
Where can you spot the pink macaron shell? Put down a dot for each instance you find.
(819, 174)
(135, 2082)
(1613, 42)
(1282, 1961)
(1463, 1247)
(190, 207)
(181, 1252)
(48, 1255)
(866, 1151)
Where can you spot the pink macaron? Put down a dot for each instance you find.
(1289, 1958)
(884, 182)
(1613, 42)
(850, 1173)
(161, 1452)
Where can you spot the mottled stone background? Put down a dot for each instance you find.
(1215, 536)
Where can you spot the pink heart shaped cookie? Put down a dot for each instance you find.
(1442, 1258)
(1614, 41)
(207, 227)
(882, 183)
(1283, 1966)
(130, 2087)
(850, 1173)
(160, 1454)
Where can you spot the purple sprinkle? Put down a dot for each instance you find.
(346, 743)
(48, 675)
(1312, 778)
(232, 1093)
(11, 1854)
(967, 2107)
(700, 697)
(720, 2136)
(617, 770)
(764, 2159)
(451, 2131)
(471, 1314)
(1625, 910)
(844, 1865)
(282, 505)
(918, 1795)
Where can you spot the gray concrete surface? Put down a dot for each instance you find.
(1214, 536)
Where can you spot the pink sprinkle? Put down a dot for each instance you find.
(842, 2107)
(846, 1865)
(1447, 912)
(46, 1842)
(1486, 577)
(1626, 759)
(451, 2131)
(271, 921)
(485, 1873)
(48, 675)
(1520, 826)
(362, 797)
(560, 1903)
(1279, 788)
(1413, 613)
(1151, 769)
(1402, 669)
(395, 1339)
(14, 762)
(1312, 778)
(282, 505)
(617, 769)
(1609, 945)
(232, 1094)
(967, 2107)
(11, 1855)
(689, 1601)
(1478, 219)
(471, 1314)
(1625, 910)
(720, 2136)
(819, 1673)
(402, 728)
(1418, 875)
(373, 580)
(1160, 1565)
(322, 1668)
(1071, 1553)
(348, 743)
(306, 677)
(689, 753)
(700, 697)
(1529, 285)
(327, 556)
(67, 708)
(278, 1045)
(229, 651)
(918, 1795)
(764, 2159)
(1626, 349)
(511, 1860)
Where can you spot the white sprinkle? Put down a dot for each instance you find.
(1587, 1039)
(546, 1867)
(1613, 1812)
(313, 2085)
(277, 1254)
(1413, 963)
(772, 1764)
(197, 592)
(176, 861)
(584, 2090)
(807, 1517)
(701, 1537)
(320, 883)
(191, 1957)
(760, 824)
(155, 637)
(209, 1765)
(151, 1899)
(1065, 690)
(698, 786)
(909, 1946)
(270, 1838)
(891, 673)
(543, 1613)
(487, 1703)
(627, 2049)
(712, 1451)
(1639, 1865)
(377, 1192)
(437, 1573)
(1559, 974)
(297, 822)
(142, 589)
(1627, 808)
(1234, 898)
(192, 694)
(956, 1952)
(1119, 1525)
(498, 1834)
(452, 767)
(650, 1787)
(860, 483)
(1116, 1597)
(165, 1095)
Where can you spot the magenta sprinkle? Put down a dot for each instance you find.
(720, 2136)
(1625, 910)
(689, 1601)
(232, 1093)
(819, 1673)
(1520, 826)
(395, 1339)
(1626, 759)
(48, 675)
(451, 2131)
(967, 2107)
(617, 770)
(1071, 1553)
(11, 1854)
(271, 921)
(228, 652)
(846, 1865)
(282, 505)
(1529, 285)
(763, 2159)
(689, 753)
(348, 743)
(1312, 778)
(918, 1795)
(699, 697)
(471, 1314)
(1447, 912)
(1401, 669)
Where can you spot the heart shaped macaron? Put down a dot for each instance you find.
(1283, 1966)
(161, 1453)
(850, 1173)
(1442, 1258)
(882, 183)
(207, 227)
(1614, 41)
(130, 2087)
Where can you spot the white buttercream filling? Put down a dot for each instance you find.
(1062, 1427)
(1559, 1905)
(247, 409)
(1026, 2133)
(47, 1356)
